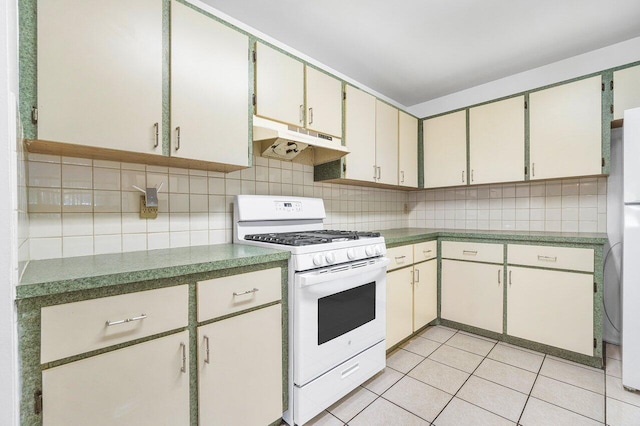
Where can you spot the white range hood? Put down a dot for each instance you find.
(290, 143)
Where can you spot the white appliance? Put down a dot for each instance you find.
(336, 298)
(631, 252)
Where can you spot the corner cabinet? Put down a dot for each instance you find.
(99, 72)
(445, 150)
(496, 142)
(407, 150)
(471, 292)
(209, 89)
(566, 130)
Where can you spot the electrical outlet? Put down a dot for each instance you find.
(406, 208)
(147, 212)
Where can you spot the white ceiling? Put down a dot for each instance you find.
(413, 51)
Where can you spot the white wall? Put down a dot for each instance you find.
(597, 60)
(8, 214)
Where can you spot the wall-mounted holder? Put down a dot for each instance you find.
(149, 202)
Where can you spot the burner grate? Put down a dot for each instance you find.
(311, 237)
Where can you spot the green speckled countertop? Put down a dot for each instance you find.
(54, 276)
(401, 236)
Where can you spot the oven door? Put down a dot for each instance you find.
(339, 312)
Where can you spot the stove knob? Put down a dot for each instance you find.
(330, 258)
(378, 250)
(318, 260)
(369, 250)
(351, 253)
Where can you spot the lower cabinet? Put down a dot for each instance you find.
(471, 293)
(240, 369)
(146, 383)
(551, 307)
(412, 300)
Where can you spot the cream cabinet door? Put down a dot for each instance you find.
(472, 294)
(240, 369)
(626, 90)
(100, 73)
(551, 307)
(565, 125)
(360, 135)
(143, 384)
(445, 150)
(496, 141)
(386, 143)
(279, 86)
(399, 305)
(425, 293)
(407, 150)
(209, 89)
(324, 103)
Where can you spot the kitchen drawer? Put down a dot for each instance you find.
(226, 295)
(425, 251)
(576, 259)
(400, 256)
(477, 252)
(75, 328)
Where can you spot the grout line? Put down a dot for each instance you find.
(572, 384)
(532, 386)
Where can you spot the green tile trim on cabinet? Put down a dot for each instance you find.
(527, 140)
(166, 77)
(468, 130)
(420, 155)
(29, 317)
(607, 117)
(27, 56)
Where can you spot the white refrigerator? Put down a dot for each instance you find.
(631, 252)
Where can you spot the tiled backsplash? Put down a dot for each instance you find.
(80, 207)
(575, 205)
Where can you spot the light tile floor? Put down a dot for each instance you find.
(448, 377)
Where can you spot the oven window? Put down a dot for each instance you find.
(345, 311)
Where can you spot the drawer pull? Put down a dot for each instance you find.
(399, 258)
(206, 350)
(426, 252)
(246, 292)
(510, 278)
(470, 252)
(183, 347)
(548, 258)
(349, 371)
(499, 273)
(138, 318)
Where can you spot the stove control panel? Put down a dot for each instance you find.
(288, 206)
(323, 258)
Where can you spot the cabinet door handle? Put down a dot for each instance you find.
(254, 290)
(310, 115)
(470, 252)
(379, 172)
(375, 169)
(402, 177)
(123, 321)
(471, 175)
(156, 129)
(499, 273)
(463, 176)
(548, 258)
(183, 347)
(177, 138)
(301, 113)
(206, 349)
(510, 278)
(416, 276)
(533, 169)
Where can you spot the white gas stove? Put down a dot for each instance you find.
(336, 294)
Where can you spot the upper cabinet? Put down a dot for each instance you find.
(496, 141)
(209, 89)
(360, 135)
(324, 103)
(407, 150)
(279, 86)
(566, 130)
(100, 73)
(386, 143)
(280, 93)
(445, 150)
(626, 90)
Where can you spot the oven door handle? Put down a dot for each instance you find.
(315, 278)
